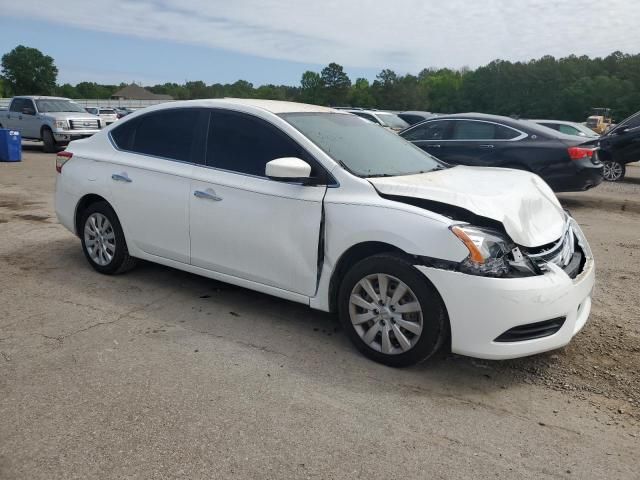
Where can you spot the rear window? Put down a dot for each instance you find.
(167, 133)
(107, 111)
(477, 130)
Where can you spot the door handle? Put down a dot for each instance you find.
(486, 146)
(207, 194)
(20, 117)
(121, 177)
(434, 146)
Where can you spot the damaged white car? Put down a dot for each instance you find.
(321, 207)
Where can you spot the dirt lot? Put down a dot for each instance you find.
(163, 374)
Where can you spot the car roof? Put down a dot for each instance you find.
(563, 122)
(527, 126)
(418, 112)
(41, 97)
(273, 106)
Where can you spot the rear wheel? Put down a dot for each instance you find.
(50, 145)
(613, 171)
(103, 241)
(391, 311)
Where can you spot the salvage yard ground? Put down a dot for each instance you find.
(163, 374)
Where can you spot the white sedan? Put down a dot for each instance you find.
(321, 207)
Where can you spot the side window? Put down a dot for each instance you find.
(473, 130)
(555, 126)
(428, 131)
(633, 122)
(245, 144)
(29, 104)
(17, 105)
(371, 118)
(568, 129)
(167, 133)
(503, 132)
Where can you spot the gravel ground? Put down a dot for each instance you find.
(163, 374)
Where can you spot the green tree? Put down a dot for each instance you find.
(27, 70)
(361, 95)
(336, 84)
(311, 88)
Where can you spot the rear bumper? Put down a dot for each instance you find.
(581, 175)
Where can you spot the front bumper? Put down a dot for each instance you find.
(481, 309)
(70, 135)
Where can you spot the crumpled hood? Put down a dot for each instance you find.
(521, 201)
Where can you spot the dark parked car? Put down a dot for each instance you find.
(415, 116)
(621, 145)
(565, 162)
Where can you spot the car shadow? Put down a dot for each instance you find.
(308, 341)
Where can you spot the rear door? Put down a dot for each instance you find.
(479, 142)
(150, 178)
(249, 226)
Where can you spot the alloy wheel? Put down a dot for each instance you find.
(386, 314)
(99, 239)
(612, 171)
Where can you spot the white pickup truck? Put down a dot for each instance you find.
(54, 120)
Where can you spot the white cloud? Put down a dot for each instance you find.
(402, 34)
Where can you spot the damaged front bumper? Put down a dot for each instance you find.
(501, 318)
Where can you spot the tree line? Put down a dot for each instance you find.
(561, 88)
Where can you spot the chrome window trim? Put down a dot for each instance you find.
(515, 139)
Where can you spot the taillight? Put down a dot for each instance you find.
(62, 158)
(579, 153)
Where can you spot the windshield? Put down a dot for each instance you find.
(392, 120)
(58, 106)
(362, 147)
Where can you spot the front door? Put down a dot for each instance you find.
(249, 226)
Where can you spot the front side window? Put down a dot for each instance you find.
(362, 148)
(428, 131)
(475, 130)
(245, 144)
(167, 133)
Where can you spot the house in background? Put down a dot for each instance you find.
(136, 92)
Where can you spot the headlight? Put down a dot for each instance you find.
(61, 124)
(488, 250)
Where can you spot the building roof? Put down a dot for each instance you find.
(136, 92)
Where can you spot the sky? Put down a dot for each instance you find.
(275, 41)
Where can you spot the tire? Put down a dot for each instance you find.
(613, 171)
(50, 145)
(103, 242)
(368, 331)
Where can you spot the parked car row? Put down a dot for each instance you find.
(565, 162)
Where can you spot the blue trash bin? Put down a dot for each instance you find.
(10, 145)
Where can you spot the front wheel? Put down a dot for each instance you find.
(50, 145)
(613, 171)
(391, 311)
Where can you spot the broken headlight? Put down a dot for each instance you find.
(488, 250)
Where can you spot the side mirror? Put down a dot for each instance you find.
(288, 169)
(28, 111)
